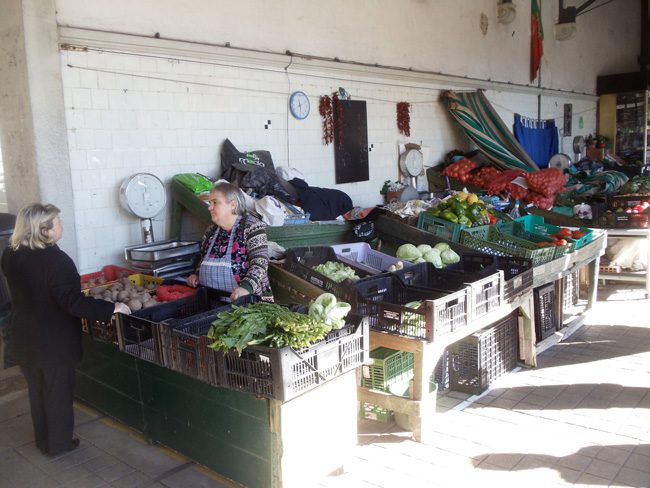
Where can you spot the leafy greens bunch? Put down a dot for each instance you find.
(274, 325)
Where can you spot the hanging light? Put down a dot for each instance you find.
(506, 12)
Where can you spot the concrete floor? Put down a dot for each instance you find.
(582, 417)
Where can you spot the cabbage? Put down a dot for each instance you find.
(418, 261)
(408, 252)
(423, 248)
(327, 310)
(441, 246)
(449, 257)
(433, 257)
(336, 271)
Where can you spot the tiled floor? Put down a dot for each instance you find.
(582, 418)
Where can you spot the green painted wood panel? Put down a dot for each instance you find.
(108, 380)
(227, 431)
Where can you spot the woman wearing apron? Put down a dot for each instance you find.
(233, 257)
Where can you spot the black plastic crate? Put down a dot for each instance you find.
(184, 345)
(476, 263)
(518, 275)
(105, 332)
(486, 283)
(138, 333)
(284, 373)
(300, 261)
(571, 289)
(382, 298)
(545, 316)
(477, 360)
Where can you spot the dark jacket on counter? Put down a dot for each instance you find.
(47, 304)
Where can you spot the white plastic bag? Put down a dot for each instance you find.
(271, 210)
(628, 253)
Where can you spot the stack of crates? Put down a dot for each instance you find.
(479, 359)
(571, 287)
(545, 317)
(388, 367)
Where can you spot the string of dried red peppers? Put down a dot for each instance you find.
(404, 118)
(327, 114)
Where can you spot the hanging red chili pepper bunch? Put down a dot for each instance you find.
(404, 118)
(338, 107)
(327, 114)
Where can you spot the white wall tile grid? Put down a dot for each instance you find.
(129, 113)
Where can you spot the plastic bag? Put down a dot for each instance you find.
(195, 182)
(253, 172)
(271, 211)
(628, 253)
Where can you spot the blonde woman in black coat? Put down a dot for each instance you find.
(47, 305)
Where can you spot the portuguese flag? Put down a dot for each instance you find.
(536, 39)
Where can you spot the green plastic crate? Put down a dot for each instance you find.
(388, 366)
(440, 227)
(536, 223)
(490, 240)
(517, 229)
(375, 412)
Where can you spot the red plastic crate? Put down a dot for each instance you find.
(110, 273)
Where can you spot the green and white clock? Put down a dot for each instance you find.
(299, 105)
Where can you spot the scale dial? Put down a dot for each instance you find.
(411, 162)
(143, 194)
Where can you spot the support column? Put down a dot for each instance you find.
(33, 131)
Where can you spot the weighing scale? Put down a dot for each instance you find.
(411, 164)
(143, 194)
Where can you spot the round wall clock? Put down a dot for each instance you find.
(299, 105)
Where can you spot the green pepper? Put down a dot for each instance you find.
(435, 211)
(450, 216)
(459, 208)
(474, 213)
(465, 221)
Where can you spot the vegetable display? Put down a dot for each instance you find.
(336, 271)
(637, 185)
(440, 255)
(274, 325)
(462, 208)
(123, 290)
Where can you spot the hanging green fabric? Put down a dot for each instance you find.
(484, 127)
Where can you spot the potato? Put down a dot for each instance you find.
(149, 303)
(123, 296)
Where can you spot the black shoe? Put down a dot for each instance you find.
(73, 445)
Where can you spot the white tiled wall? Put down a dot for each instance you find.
(131, 113)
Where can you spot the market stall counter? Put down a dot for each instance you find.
(255, 440)
(419, 404)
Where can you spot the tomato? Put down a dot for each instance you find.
(577, 234)
(561, 242)
(564, 232)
